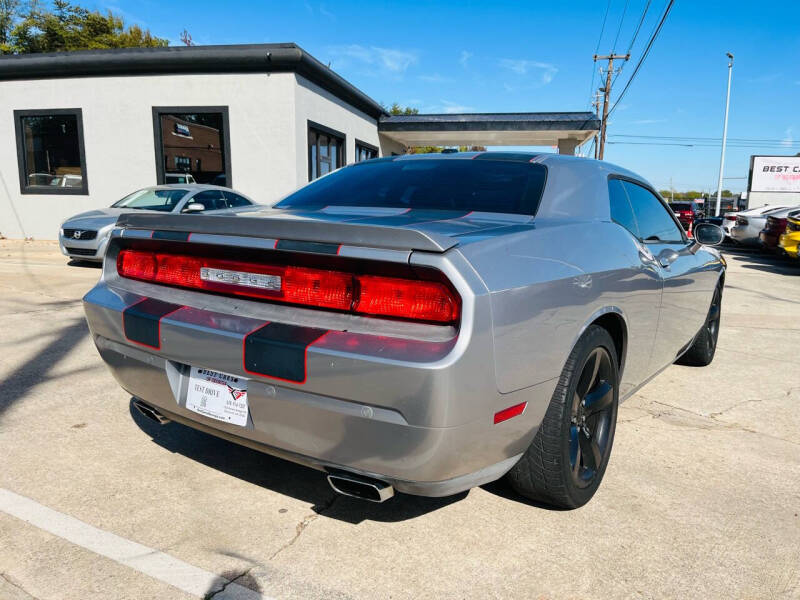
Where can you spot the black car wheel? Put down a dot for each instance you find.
(565, 463)
(704, 346)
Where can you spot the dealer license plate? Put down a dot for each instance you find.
(218, 395)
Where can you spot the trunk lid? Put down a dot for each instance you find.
(374, 227)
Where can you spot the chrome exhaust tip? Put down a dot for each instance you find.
(150, 412)
(366, 488)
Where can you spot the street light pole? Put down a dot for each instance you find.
(724, 134)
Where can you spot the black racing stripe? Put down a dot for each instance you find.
(315, 247)
(278, 350)
(507, 156)
(175, 236)
(141, 321)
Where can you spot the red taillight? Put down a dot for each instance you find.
(363, 294)
(419, 300)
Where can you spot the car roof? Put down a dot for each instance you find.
(191, 187)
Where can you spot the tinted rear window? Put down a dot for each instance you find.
(680, 206)
(438, 184)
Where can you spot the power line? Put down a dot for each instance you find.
(597, 49)
(696, 138)
(621, 21)
(784, 146)
(653, 37)
(633, 40)
(638, 27)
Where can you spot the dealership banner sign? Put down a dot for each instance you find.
(775, 174)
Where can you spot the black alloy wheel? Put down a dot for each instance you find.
(591, 414)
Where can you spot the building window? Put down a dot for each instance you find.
(365, 151)
(325, 150)
(192, 141)
(50, 151)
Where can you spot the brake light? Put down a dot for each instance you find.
(361, 294)
(741, 221)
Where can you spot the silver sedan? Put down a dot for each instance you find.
(84, 236)
(422, 323)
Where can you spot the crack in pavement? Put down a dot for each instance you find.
(229, 582)
(305, 522)
(18, 587)
(714, 422)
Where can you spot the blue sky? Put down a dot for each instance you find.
(536, 56)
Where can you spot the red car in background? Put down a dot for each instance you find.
(686, 212)
(772, 231)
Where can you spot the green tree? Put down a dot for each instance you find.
(395, 109)
(68, 26)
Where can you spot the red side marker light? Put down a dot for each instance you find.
(510, 412)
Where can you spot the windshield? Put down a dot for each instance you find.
(500, 186)
(163, 200)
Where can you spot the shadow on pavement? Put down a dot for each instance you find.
(74, 262)
(37, 370)
(284, 477)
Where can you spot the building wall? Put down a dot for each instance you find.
(756, 199)
(119, 138)
(312, 103)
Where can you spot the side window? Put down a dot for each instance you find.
(621, 211)
(211, 199)
(235, 200)
(655, 222)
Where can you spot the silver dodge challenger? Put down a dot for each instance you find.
(423, 323)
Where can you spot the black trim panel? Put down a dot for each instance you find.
(313, 247)
(173, 236)
(141, 322)
(278, 350)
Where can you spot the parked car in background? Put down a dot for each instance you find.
(686, 212)
(773, 229)
(416, 322)
(66, 181)
(788, 242)
(749, 225)
(85, 235)
(729, 218)
(179, 178)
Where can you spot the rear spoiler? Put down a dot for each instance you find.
(351, 234)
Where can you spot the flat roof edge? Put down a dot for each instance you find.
(246, 58)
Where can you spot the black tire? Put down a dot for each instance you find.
(552, 469)
(704, 346)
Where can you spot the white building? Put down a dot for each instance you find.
(79, 130)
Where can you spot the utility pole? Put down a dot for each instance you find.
(724, 134)
(606, 93)
(596, 104)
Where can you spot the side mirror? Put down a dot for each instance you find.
(709, 234)
(193, 207)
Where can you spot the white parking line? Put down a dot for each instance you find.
(149, 561)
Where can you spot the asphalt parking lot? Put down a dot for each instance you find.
(701, 497)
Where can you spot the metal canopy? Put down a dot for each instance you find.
(490, 129)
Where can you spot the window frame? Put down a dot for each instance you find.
(329, 132)
(159, 140)
(664, 204)
(24, 187)
(366, 146)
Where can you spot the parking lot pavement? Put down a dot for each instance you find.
(701, 498)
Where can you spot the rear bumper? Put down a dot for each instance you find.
(769, 239)
(417, 414)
